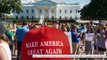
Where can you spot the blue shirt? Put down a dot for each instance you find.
(75, 38)
(20, 33)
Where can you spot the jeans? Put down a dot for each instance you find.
(19, 44)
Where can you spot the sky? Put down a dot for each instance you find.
(82, 2)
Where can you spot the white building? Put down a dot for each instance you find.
(49, 9)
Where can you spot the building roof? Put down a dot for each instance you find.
(44, 2)
(56, 1)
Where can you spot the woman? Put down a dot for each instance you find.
(5, 53)
(89, 40)
(10, 36)
(100, 41)
(75, 39)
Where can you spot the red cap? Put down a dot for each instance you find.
(45, 40)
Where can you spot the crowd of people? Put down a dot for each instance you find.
(87, 38)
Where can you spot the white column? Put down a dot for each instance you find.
(42, 12)
(50, 13)
(37, 12)
(55, 13)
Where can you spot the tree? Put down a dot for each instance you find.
(8, 6)
(96, 9)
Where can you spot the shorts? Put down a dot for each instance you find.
(100, 49)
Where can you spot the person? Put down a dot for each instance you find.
(14, 42)
(63, 27)
(5, 53)
(89, 40)
(75, 39)
(10, 35)
(67, 27)
(106, 40)
(14, 28)
(20, 33)
(56, 25)
(100, 39)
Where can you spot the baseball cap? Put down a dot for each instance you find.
(45, 40)
(2, 29)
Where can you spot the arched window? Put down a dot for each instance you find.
(60, 11)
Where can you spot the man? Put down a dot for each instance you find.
(20, 33)
(5, 53)
(56, 25)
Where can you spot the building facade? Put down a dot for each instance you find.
(51, 9)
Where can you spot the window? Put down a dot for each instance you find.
(52, 10)
(60, 18)
(40, 11)
(32, 11)
(65, 11)
(76, 11)
(70, 17)
(52, 17)
(22, 11)
(27, 17)
(65, 18)
(46, 11)
(27, 11)
(21, 17)
(60, 11)
(70, 11)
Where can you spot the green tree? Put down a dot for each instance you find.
(8, 6)
(96, 9)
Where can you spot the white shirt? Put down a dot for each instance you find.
(7, 49)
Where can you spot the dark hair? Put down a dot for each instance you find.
(24, 23)
(82, 24)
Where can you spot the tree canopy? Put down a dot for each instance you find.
(8, 6)
(96, 9)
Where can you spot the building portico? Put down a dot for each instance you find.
(46, 11)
